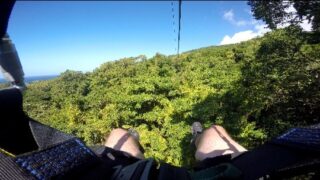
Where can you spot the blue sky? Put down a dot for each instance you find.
(54, 36)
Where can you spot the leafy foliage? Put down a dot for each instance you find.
(276, 12)
(255, 89)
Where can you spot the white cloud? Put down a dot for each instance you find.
(306, 25)
(254, 22)
(289, 9)
(245, 35)
(238, 37)
(241, 23)
(248, 11)
(259, 29)
(229, 16)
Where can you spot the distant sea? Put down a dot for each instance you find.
(33, 78)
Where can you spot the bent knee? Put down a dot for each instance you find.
(114, 136)
(118, 133)
(217, 127)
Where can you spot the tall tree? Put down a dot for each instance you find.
(275, 13)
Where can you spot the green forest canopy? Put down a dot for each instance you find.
(255, 89)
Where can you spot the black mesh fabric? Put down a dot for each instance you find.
(56, 160)
(9, 169)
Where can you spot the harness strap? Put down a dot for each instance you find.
(281, 159)
(5, 11)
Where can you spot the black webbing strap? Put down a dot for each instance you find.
(5, 11)
(139, 170)
(168, 171)
(46, 136)
(266, 160)
(15, 134)
(299, 169)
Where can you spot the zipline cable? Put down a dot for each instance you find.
(179, 28)
(173, 23)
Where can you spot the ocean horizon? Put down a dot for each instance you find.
(31, 79)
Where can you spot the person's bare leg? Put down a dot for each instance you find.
(120, 139)
(215, 141)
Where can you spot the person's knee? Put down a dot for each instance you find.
(216, 141)
(212, 132)
(120, 139)
(200, 156)
(114, 136)
(217, 128)
(118, 132)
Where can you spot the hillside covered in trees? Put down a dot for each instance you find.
(255, 89)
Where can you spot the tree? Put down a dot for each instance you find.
(275, 13)
(249, 88)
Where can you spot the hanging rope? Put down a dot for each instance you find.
(179, 28)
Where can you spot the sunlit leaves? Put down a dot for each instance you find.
(255, 89)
